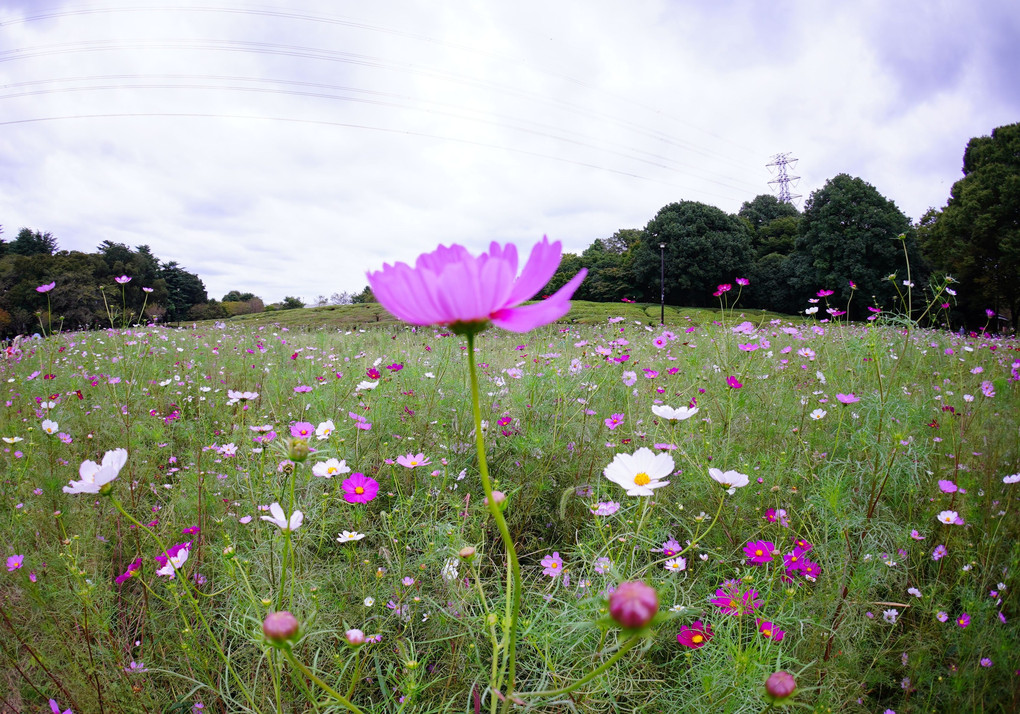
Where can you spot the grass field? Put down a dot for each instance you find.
(871, 552)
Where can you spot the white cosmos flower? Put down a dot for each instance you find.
(174, 563)
(50, 426)
(348, 536)
(1012, 478)
(818, 414)
(325, 429)
(950, 517)
(94, 477)
(641, 472)
(363, 386)
(16, 439)
(664, 411)
(281, 521)
(731, 480)
(330, 468)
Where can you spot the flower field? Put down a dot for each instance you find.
(266, 519)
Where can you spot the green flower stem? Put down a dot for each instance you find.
(340, 698)
(514, 581)
(624, 648)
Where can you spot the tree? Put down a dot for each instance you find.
(341, 298)
(238, 296)
(31, 242)
(704, 247)
(365, 296)
(849, 232)
(291, 303)
(184, 289)
(976, 237)
(764, 209)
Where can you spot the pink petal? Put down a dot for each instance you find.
(541, 266)
(528, 317)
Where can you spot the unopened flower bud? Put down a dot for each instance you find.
(467, 552)
(355, 638)
(633, 604)
(497, 497)
(280, 626)
(297, 449)
(780, 686)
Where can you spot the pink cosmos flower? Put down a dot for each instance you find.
(743, 281)
(123, 280)
(847, 398)
(947, 486)
(553, 565)
(732, 601)
(633, 604)
(410, 461)
(449, 286)
(733, 383)
(14, 562)
(605, 509)
(359, 488)
(135, 566)
(671, 548)
(614, 421)
(963, 620)
(302, 430)
(939, 553)
(695, 636)
(45, 288)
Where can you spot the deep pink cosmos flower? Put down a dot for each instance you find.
(449, 286)
(963, 620)
(770, 631)
(743, 281)
(733, 383)
(695, 636)
(45, 288)
(671, 548)
(135, 566)
(732, 601)
(759, 552)
(359, 488)
(302, 430)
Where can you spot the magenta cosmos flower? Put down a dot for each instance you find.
(759, 552)
(449, 286)
(302, 430)
(695, 636)
(359, 488)
(46, 288)
(123, 279)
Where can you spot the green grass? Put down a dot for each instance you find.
(854, 483)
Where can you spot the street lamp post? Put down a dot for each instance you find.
(662, 283)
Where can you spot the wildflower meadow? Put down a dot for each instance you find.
(500, 505)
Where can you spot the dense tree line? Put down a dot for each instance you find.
(849, 240)
(43, 288)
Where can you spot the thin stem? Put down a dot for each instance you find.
(514, 584)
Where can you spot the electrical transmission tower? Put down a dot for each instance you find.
(782, 180)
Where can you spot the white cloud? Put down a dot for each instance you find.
(285, 150)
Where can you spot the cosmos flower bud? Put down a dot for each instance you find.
(279, 627)
(633, 604)
(355, 638)
(467, 553)
(498, 497)
(780, 686)
(297, 449)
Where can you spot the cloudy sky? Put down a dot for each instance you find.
(285, 148)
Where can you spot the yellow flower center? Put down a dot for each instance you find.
(697, 639)
(414, 463)
(767, 632)
(359, 490)
(758, 552)
(553, 565)
(642, 479)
